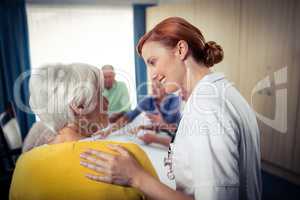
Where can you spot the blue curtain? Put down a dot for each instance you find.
(139, 29)
(14, 60)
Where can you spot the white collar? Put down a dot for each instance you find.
(212, 77)
(208, 79)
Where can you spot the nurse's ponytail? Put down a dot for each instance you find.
(213, 53)
(171, 30)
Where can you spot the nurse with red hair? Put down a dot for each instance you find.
(216, 152)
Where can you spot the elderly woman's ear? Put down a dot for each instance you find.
(77, 110)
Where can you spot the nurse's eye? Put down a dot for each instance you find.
(152, 62)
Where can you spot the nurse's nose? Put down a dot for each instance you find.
(154, 76)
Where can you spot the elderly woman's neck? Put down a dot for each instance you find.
(68, 134)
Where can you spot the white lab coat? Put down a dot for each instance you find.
(216, 153)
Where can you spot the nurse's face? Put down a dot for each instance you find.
(157, 89)
(165, 65)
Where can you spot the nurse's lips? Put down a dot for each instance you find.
(162, 79)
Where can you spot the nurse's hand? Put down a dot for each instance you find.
(120, 169)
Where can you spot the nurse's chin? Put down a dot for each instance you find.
(171, 87)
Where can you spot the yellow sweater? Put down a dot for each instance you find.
(53, 172)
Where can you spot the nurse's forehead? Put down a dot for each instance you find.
(152, 48)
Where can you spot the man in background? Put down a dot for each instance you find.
(117, 94)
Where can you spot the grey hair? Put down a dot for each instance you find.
(55, 88)
(108, 67)
(38, 135)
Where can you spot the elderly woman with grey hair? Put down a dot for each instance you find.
(68, 100)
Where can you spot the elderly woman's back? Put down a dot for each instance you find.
(52, 172)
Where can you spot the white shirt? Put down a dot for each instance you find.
(217, 146)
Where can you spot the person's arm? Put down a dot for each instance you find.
(114, 127)
(127, 118)
(115, 117)
(123, 121)
(120, 123)
(154, 189)
(149, 138)
(124, 170)
(160, 127)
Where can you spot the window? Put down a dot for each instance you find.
(95, 34)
